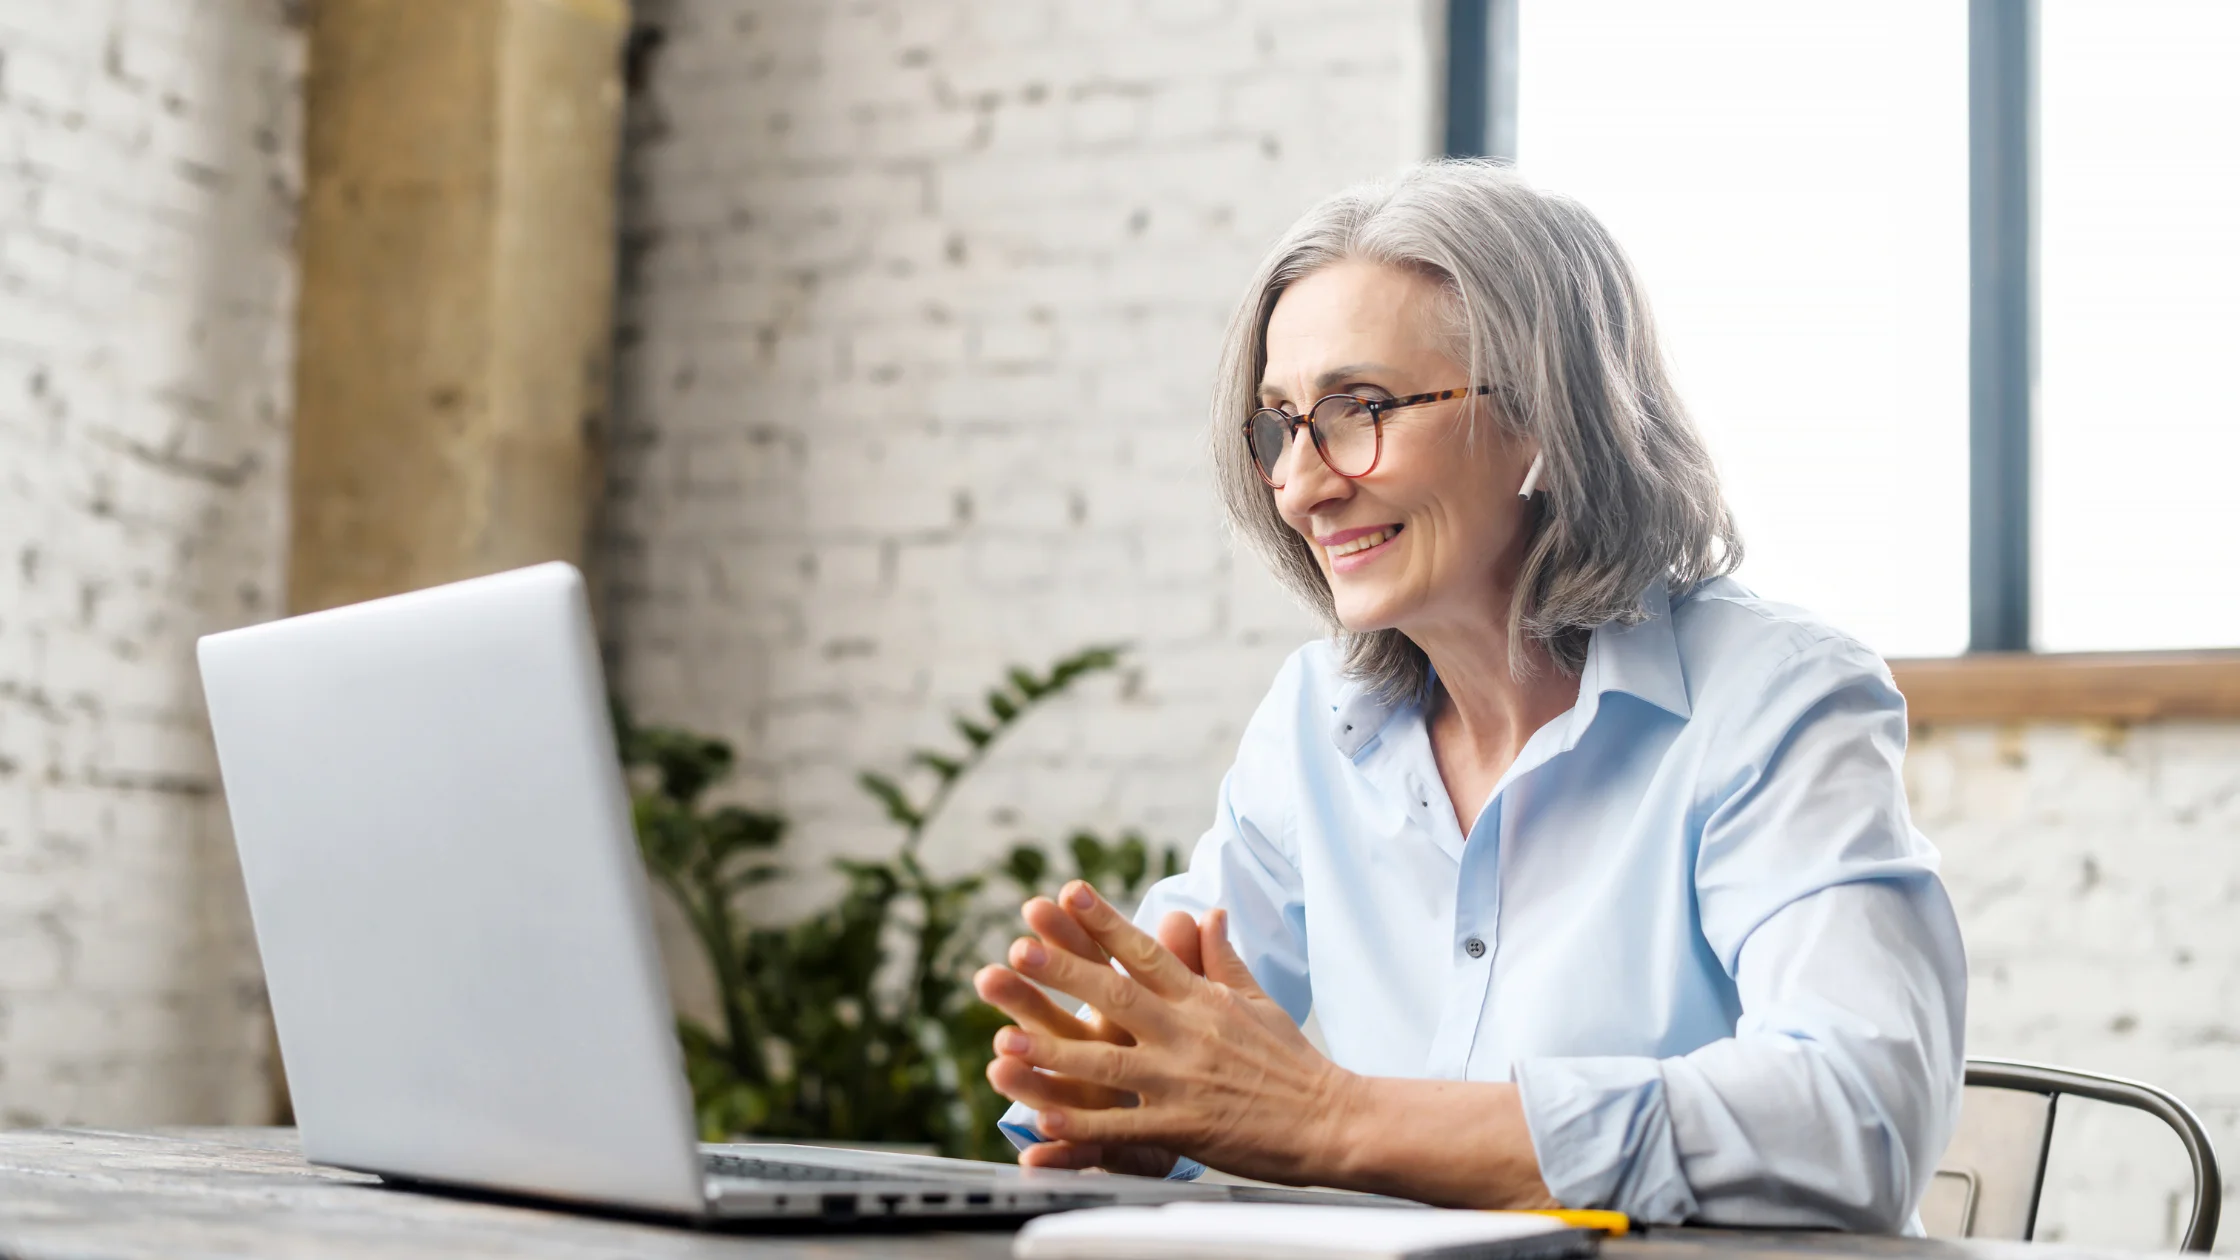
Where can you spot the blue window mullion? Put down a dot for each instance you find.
(1482, 78)
(2002, 301)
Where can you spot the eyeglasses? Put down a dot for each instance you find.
(1347, 429)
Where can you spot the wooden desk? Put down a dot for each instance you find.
(77, 1194)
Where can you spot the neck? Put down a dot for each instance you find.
(1483, 703)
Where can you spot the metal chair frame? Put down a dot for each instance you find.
(2039, 1078)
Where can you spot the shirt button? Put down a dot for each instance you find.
(1474, 947)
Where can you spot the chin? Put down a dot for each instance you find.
(1361, 616)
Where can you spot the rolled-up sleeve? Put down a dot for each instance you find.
(1834, 1098)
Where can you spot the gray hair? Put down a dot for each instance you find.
(1547, 310)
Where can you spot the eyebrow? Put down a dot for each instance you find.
(1334, 377)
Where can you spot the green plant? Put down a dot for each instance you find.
(858, 1021)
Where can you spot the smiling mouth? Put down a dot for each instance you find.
(1364, 542)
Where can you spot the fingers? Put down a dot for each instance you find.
(1179, 933)
(1011, 993)
(1223, 964)
(1074, 1155)
(1095, 1062)
(1059, 929)
(1141, 1160)
(1138, 1158)
(1146, 959)
(1108, 1127)
(1118, 998)
(1017, 1081)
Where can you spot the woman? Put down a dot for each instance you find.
(1596, 868)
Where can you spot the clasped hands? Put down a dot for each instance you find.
(1182, 1053)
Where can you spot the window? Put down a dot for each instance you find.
(1863, 228)
(1792, 183)
(2138, 417)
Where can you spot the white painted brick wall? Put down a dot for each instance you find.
(2096, 869)
(919, 314)
(148, 182)
(921, 306)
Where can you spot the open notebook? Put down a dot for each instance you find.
(1225, 1231)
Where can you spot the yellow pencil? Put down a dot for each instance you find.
(1615, 1223)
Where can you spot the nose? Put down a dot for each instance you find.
(1308, 484)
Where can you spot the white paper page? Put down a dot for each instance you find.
(1185, 1231)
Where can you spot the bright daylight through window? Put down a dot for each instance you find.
(1792, 182)
(2139, 324)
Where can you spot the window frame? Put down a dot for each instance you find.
(1999, 678)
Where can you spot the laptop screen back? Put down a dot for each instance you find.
(436, 841)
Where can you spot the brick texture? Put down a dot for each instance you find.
(921, 302)
(148, 153)
(2096, 870)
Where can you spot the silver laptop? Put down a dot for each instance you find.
(436, 839)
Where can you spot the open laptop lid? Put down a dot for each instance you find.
(436, 840)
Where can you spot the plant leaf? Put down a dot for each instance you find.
(947, 767)
(974, 734)
(687, 763)
(1027, 865)
(1089, 856)
(1129, 862)
(734, 828)
(898, 806)
(754, 876)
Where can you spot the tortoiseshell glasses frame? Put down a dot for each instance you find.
(1336, 423)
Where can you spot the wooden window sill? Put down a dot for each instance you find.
(2029, 686)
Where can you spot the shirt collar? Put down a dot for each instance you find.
(1642, 660)
(1357, 718)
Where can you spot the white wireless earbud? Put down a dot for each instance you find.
(1531, 478)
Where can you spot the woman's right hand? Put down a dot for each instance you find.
(1016, 996)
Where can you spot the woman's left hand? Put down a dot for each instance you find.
(1218, 1070)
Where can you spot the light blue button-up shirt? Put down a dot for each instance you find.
(1694, 922)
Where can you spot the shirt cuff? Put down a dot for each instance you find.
(1603, 1136)
(1018, 1125)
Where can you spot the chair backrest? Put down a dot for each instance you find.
(1989, 1182)
(1987, 1186)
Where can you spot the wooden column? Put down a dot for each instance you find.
(457, 262)
(457, 284)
